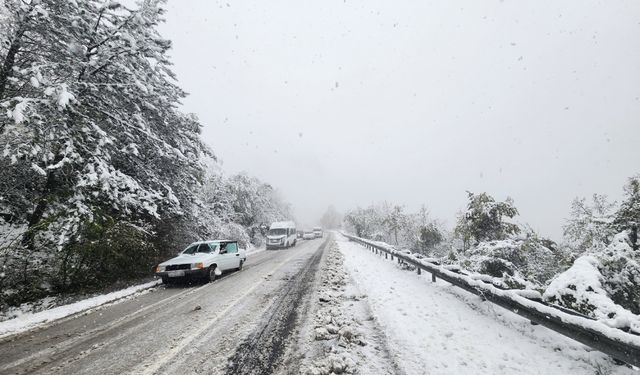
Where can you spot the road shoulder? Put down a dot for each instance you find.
(340, 334)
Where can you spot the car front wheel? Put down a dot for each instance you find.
(211, 275)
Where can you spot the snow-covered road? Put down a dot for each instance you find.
(210, 328)
(304, 310)
(435, 328)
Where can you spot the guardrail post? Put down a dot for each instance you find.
(433, 277)
(391, 256)
(386, 256)
(419, 271)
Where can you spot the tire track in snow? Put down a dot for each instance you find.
(161, 359)
(262, 352)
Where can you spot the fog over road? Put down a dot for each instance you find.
(248, 316)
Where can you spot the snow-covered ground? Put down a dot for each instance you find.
(28, 320)
(435, 328)
(27, 316)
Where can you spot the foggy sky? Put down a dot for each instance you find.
(356, 102)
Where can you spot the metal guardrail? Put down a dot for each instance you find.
(617, 343)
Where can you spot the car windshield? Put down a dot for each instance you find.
(277, 231)
(200, 248)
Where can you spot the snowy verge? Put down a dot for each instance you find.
(29, 321)
(342, 338)
(517, 298)
(252, 250)
(436, 328)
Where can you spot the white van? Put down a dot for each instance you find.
(282, 234)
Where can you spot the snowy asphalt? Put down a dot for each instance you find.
(228, 326)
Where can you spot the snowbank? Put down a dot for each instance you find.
(31, 320)
(581, 288)
(342, 337)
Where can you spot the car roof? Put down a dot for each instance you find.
(212, 241)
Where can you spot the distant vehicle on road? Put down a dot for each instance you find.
(309, 235)
(282, 234)
(204, 260)
(318, 232)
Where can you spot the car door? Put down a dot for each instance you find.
(234, 255)
(224, 258)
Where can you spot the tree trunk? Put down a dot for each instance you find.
(40, 209)
(633, 236)
(9, 61)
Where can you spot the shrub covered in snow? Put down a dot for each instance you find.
(516, 263)
(604, 285)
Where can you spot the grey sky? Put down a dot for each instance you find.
(354, 102)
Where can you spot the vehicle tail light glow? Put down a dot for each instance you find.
(199, 265)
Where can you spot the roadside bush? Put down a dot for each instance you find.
(108, 250)
(603, 285)
(518, 261)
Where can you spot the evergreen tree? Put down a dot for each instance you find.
(484, 219)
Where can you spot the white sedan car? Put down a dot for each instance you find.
(308, 235)
(203, 260)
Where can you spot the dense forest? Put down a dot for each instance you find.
(594, 270)
(102, 174)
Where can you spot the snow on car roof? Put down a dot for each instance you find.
(211, 241)
(282, 224)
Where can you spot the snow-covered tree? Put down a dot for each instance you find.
(102, 174)
(485, 219)
(93, 113)
(627, 217)
(589, 225)
(364, 222)
(429, 233)
(90, 135)
(394, 220)
(331, 219)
